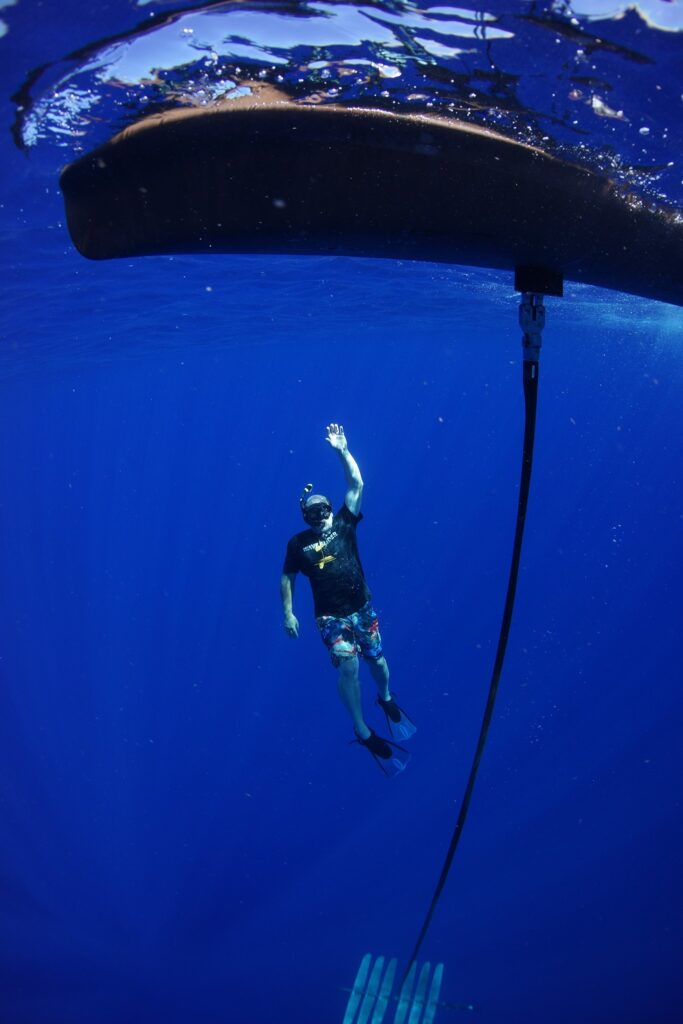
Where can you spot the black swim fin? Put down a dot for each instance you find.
(400, 726)
(390, 757)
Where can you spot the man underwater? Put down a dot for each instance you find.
(327, 552)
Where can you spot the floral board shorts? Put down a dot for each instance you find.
(349, 635)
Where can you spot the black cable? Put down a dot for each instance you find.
(530, 381)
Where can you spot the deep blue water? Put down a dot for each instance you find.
(187, 833)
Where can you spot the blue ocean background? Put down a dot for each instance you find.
(188, 834)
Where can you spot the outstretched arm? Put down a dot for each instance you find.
(354, 481)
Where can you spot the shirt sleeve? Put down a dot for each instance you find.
(291, 563)
(348, 516)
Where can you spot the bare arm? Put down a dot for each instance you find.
(287, 593)
(354, 481)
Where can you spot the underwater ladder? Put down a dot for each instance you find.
(372, 989)
(371, 994)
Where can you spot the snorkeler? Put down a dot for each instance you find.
(327, 552)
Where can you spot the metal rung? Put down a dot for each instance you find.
(371, 993)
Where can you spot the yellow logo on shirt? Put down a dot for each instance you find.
(318, 547)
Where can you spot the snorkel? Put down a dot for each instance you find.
(315, 508)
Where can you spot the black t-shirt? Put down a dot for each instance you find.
(332, 564)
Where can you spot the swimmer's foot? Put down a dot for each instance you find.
(400, 726)
(390, 757)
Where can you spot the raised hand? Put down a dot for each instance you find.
(335, 437)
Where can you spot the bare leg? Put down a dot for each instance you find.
(349, 691)
(379, 670)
